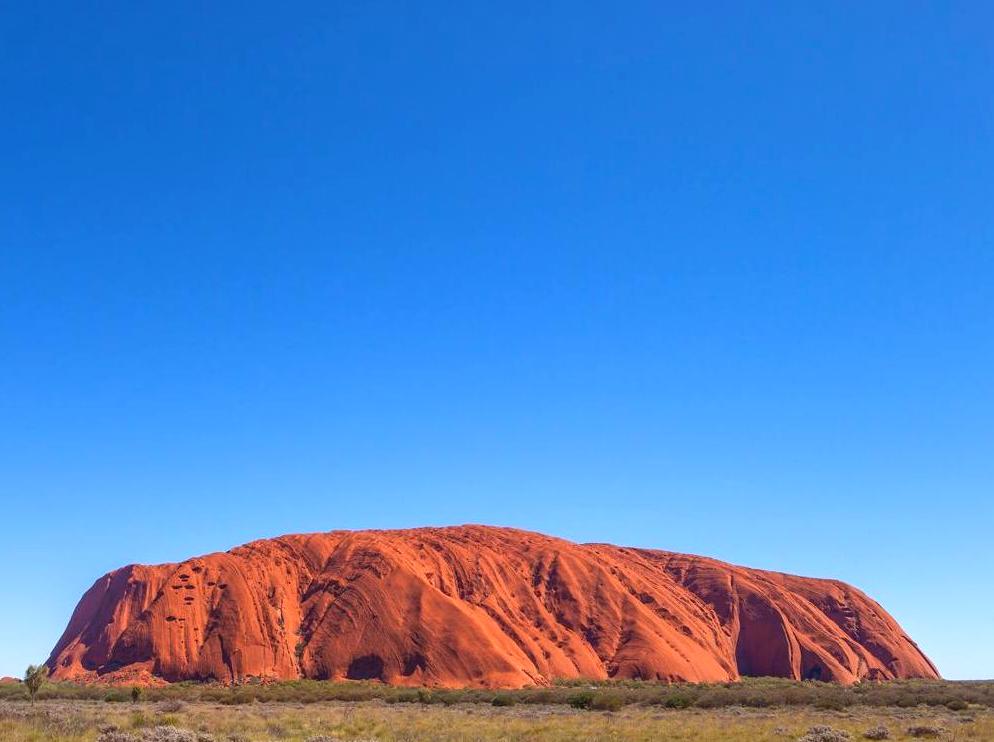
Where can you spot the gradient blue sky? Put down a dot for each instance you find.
(715, 280)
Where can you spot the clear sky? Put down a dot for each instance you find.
(715, 280)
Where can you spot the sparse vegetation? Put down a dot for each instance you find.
(758, 693)
(337, 721)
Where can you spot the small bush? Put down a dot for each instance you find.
(607, 702)
(426, 696)
(114, 735)
(880, 732)
(831, 702)
(580, 700)
(541, 696)
(237, 698)
(924, 730)
(168, 734)
(825, 734)
(957, 704)
(505, 699)
(713, 699)
(678, 701)
(408, 696)
(758, 700)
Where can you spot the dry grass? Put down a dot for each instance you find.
(88, 721)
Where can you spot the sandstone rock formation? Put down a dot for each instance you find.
(472, 605)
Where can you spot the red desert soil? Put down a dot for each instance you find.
(472, 605)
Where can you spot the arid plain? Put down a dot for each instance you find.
(316, 711)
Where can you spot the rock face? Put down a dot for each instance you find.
(472, 605)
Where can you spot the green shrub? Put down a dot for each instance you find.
(714, 699)
(34, 677)
(426, 696)
(607, 702)
(580, 700)
(543, 695)
(755, 692)
(678, 701)
(404, 696)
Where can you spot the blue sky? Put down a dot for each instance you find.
(714, 280)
